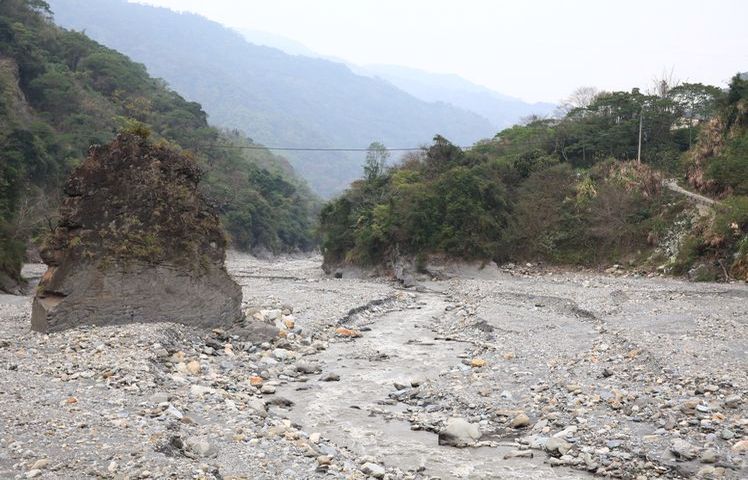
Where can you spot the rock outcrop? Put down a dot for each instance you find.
(136, 242)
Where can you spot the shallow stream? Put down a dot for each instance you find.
(399, 347)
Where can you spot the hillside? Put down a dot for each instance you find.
(275, 98)
(61, 92)
(567, 191)
(501, 110)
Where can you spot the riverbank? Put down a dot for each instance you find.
(566, 375)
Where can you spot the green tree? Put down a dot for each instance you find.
(376, 161)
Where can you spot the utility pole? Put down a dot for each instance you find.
(639, 152)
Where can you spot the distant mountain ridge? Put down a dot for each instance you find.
(275, 98)
(501, 110)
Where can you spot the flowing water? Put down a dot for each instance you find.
(399, 347)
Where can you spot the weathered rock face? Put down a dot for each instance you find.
(136, 242)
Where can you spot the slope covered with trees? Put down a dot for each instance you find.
(276, 98)
(567, 190)
(61, 92)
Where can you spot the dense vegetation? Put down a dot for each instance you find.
(61, 92)
(567, 190)
(276, 98)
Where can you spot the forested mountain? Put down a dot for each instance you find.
(60, 92)
(567, 190)
(501, 110)
(275, 98)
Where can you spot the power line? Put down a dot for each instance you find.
(360, 149)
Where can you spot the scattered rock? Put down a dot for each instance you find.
(40, 464)
(741, 446)
(520, 421)
(459, 433)
(557, 445)
(346, 332)
(518, 454)
(194, 367)
(199, 447)
(304, 366)
(682, 449)
(733, 401)
(477, 362)
(373, 469)
(330, 377)
(709, 456)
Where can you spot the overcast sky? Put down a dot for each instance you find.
(532, 49)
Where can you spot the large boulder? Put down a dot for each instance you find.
(136, 242)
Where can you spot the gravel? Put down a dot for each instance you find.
(550, 374)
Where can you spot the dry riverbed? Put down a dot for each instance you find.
(537, 375)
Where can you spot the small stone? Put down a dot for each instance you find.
(711, 472)
(733, 401)
(200, 390)
(324, 460)
(200, 447)
(271, 315)
(289, 323)
(40, 464)
(346, 332)
(281, 354)
(112, 467)
(258, 406)
(727, 434)
(518, 454)
(315, 437)
(255, 381)
(459, 433)
(267, 389)
(33, 473)
(373, 469)
(330, 377)
(688, 407)
(741, 446)
(477, 363)
(307, 367)
(709, 456)
(159, 397)
(194, 367)
(557, 445)
(682, 449)
(520, 421)
(174, 412)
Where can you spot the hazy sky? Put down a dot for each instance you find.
(533, 49)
